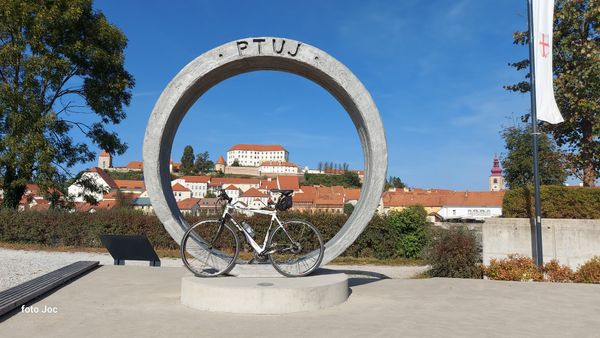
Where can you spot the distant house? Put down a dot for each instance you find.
(143, 204)
(472, 205)
(99, 177)
(278, 167)
(209, 206)
(254, 199)
(446, 205)
(253, 155)
(130, 186)
(189, 206)
(198, 185)
(180, 192)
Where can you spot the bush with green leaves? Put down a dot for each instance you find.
(380, 239)
(411, 226)
(454, 253)
(556, 201)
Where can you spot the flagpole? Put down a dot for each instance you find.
(539, 255)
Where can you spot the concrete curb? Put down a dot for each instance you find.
(264, 295)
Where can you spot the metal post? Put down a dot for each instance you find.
(539, 259)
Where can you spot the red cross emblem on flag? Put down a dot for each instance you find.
(545, 45)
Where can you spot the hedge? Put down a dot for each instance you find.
(54, 227)
(556, 201)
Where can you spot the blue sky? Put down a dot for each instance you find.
(434, 68)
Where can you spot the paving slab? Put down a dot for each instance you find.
(136, 301)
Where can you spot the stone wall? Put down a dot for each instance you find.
(250, 171)
(571, 241)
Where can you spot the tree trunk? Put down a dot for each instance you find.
(587, 156)
(12, 193)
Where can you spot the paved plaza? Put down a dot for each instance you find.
(137, 301)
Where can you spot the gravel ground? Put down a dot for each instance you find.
(18, 266)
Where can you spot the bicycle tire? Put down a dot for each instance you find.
(311, 250)
(206, 259)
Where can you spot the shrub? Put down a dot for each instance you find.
(557, 202)
(513, 268)
(454, 253)
(589, 272)
(554, 272)
(57, 227)
(411, 226)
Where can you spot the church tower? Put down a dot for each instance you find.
(496, 178)
(220, 165)
(104, 160)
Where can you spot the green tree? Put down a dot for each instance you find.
(187, 160)
(58, 59)
(394, 182)
(203, 164)
(517, 163)
(576, 63)
(210, 194)
(411, 223)
(235, 163)
(348, 209)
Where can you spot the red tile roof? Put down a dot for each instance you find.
(440, 198)
(232, 187)
(104, 153)
(221, 160)
(257, 147)
(268, 185)
(110, 196)
(475, 199)
(105, 205)
(188, 203)
(288, 182)
(179, 187)
(135, 165)
(352, 194)
(130, 184)
(253, 192)
(196, 179)
(111, 183)
(233, 180)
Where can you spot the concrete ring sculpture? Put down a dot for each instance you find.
(253, 54)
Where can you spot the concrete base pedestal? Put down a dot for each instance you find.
(264, 295)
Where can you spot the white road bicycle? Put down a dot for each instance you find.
(211, 247)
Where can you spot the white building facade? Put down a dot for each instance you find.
(96, 176)
(470, 212)
(198, 185)
(278, 167)
(252, 155)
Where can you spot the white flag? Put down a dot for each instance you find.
(547, 110)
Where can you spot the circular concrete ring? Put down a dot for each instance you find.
(264, 295)
(253, 54)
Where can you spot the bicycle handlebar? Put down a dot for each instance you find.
(224, 196)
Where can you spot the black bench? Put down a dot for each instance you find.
(130, 247)
(16, 296)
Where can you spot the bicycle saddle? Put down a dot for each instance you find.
(283, 192)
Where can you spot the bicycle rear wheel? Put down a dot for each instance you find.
(296, 248)
(210, 248)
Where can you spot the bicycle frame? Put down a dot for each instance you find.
(273, 213)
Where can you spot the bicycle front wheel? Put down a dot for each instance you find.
(210, 248)
(296, 248)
